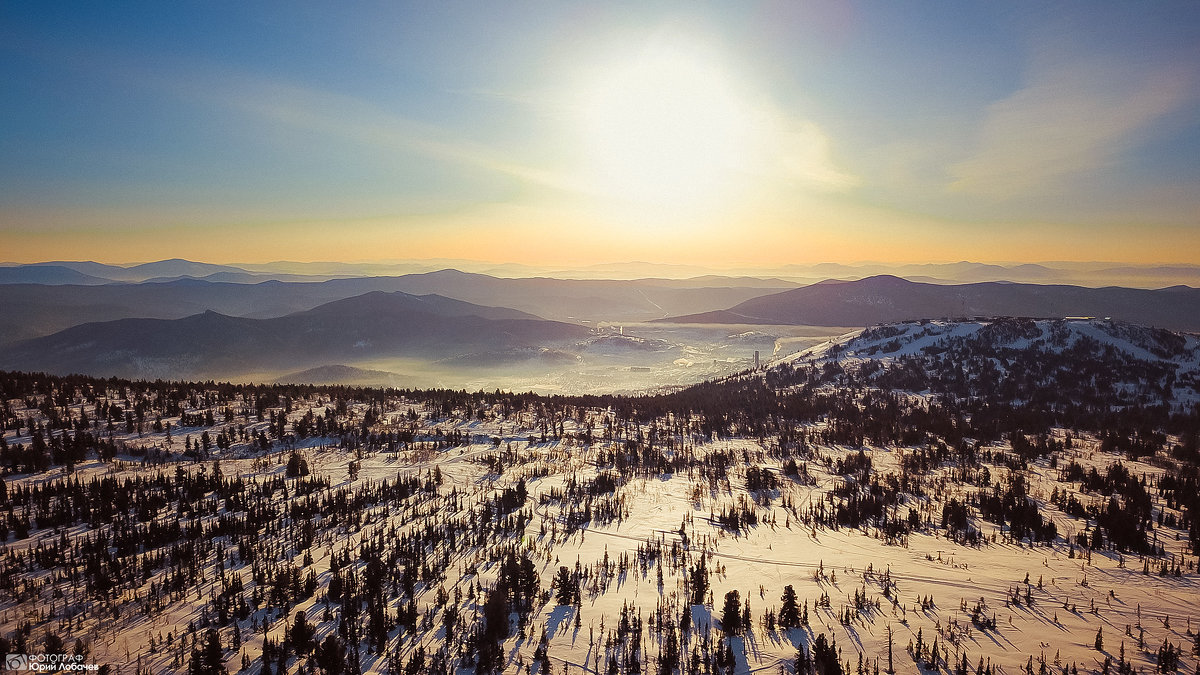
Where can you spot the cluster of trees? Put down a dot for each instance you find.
(378, 561)
(642, 436)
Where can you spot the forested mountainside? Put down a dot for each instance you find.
(990, 496)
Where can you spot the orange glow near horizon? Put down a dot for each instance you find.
(529, 236)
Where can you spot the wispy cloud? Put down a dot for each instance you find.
(804, 156)
(1072, 118)
(357, 121)
(289, 104)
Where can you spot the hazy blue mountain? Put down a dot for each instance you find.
(175, 267)
(575, 299)
(46, 309)
(87, 267)
(1070, 273)
(47, 274)
(209, 344)
(886, 298)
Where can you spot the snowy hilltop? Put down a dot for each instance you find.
(1013, 359)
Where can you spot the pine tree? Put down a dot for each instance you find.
(731, 614)
(825, 656)
(668, 660)
(699, 582)
(301, 634)
(803, 664)
(331, 655)
(495, 629)
(565, 589)
(789, 614)
(211, 659)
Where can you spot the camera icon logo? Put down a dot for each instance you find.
(16, 662)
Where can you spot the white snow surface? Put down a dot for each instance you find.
(1061, 624)
(758, 562)
(890, 342)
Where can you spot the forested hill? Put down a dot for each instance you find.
(1057, 362)
(375, 324)
(891, 383)
(886, 299)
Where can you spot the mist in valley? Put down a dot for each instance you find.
(621, 358)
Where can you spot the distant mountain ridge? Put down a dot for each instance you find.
(207, 344)
(1093, 274)
(56, 275)
(52, 296)
(46, 309)
(886, 298)
(344, 375)
(174, 267)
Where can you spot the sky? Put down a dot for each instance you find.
(721, 134)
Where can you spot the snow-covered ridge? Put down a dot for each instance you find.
(1052, 335)
(1163, 365)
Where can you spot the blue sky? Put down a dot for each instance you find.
(710, 133)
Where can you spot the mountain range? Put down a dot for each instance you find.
(44, 309)
(885, 298)
(1094, 274)
(209, 344)
(184, 326)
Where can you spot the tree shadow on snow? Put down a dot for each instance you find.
(558, 616)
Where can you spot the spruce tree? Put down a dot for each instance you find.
(789, 614)
(731, 614)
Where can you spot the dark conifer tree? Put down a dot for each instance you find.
(731, 614)
(789, 613)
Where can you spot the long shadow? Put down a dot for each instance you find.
(852, 633)
(798, 636)
(750, 646)
(558, 616)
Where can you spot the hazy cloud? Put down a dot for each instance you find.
(363, 123)
(1072, 118)
(804, 155)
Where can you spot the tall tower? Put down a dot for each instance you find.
(756, 359)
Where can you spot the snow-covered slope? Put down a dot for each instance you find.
(306, 529)
(1134, 363)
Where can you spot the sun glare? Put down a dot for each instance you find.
(666, 130)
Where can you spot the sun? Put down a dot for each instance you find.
(666, 130)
